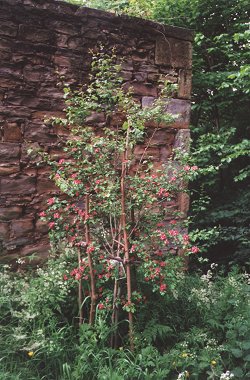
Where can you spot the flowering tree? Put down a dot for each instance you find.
(113, 207)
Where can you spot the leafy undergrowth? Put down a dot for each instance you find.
(199, 330)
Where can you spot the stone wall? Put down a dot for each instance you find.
(43, 39)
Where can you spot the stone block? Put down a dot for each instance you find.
(152, 153)
(173, 52)
(185, 84)
(182, 140)
(180, 108)
(21, 227)
(183, 203)
(15, 111)
(8, 82)
(62, 40)
(27, 100)
(127, 66)
(45, 185)
(18, 185)
(38, 73)
(45, 115)
(9, 152)
(13, 244)
(165, 152)
(160, 137)
(117, 119)
(12, 132)
(4, 231)
(11, 70)
(30, 49)
(148, 68)
(142, 89)
(126, 75)
(5, 56)
(41, 227)
(40, 250)
(76, 44)
(9, 213)
(95, 117)
(8, 169)
(51, 93)
(5, 44)
(61, 131)
(34, 34)
(140, 57)
(39, 132)
(63, 27)
(8, 29)
(177, 107)
(140, 76)
(60, 60)
(153, 77)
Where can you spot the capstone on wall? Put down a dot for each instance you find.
(41, 40)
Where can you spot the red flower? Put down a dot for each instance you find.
(90, 249)
(42, 214)
(160, 224)
(51, 225)
(101, 306)
(194, 168)
(51, 201)
(163, 236)
(173, 222)
(163, 287)
(77, 276)
(56, 215)
(195, 249)
(173, 232)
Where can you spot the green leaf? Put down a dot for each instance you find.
(125, 125)
(238, 372)
(237, 352)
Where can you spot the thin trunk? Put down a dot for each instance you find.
(80, 298)
(90, 263)
(116, 294)
(125, 239)
(114, 318)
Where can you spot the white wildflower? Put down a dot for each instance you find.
(226, 376)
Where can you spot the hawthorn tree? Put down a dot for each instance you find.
(113, 207)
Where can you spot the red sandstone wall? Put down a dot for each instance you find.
(42, 39)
